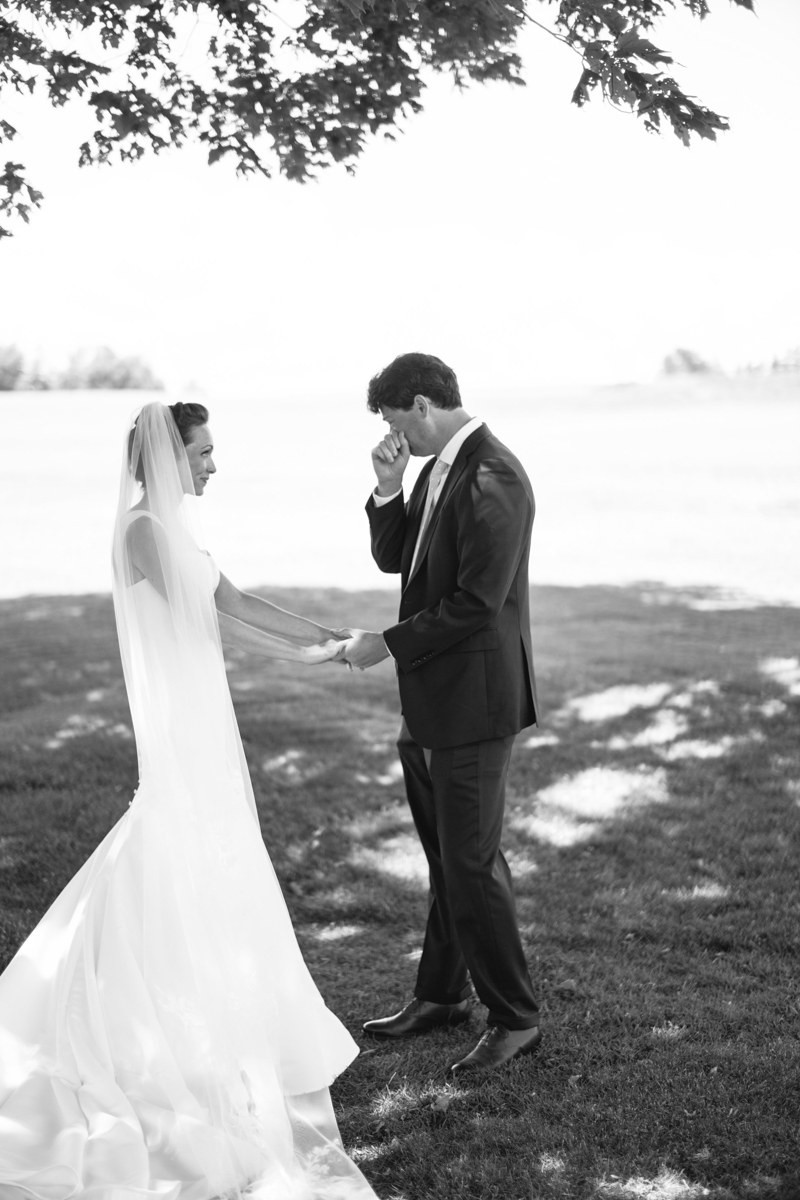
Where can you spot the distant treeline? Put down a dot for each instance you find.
(87, 369)
(688, 362)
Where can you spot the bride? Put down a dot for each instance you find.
(160, 1035)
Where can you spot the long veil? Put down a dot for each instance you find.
(168, 632)
(161, 1034)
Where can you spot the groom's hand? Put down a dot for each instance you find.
(389, 460)
(365, 649)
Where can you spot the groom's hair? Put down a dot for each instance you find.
(413, 375)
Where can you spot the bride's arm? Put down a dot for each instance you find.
(242, 636)
(149, 549)
(252, 610)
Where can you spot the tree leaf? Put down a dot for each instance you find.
(313, 95)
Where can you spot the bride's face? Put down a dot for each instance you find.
(199, 450)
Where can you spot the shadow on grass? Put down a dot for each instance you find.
(653, 828)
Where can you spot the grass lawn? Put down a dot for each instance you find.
(653, 831)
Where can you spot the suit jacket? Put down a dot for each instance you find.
(462, 643)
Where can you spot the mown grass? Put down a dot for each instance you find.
(656, 856)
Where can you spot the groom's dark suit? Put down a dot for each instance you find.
(462, 647)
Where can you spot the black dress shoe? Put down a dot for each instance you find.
(418, 1017)
(498, 1046)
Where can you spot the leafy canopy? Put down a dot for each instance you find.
(302, 84)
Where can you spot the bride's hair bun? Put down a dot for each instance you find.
(187, 417)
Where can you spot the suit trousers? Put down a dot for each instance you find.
(457, 797)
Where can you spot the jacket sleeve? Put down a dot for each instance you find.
(494, 519)
(387, 525)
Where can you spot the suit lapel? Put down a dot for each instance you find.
(451, 479)
(416, 507)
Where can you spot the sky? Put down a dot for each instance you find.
(524, 241)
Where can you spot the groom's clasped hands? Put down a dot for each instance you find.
(360, 648)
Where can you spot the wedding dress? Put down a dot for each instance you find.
(160, 1035)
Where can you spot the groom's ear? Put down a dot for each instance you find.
(422, 404)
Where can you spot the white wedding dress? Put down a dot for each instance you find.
(160, 1035)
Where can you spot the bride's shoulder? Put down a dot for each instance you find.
(143, 528)
(139, 510)
(140, 534)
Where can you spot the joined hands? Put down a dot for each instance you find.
(351, 647)
(361, 648)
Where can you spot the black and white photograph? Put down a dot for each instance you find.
(399, 600)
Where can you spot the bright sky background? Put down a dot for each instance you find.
(521, 239)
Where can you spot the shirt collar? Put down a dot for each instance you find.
(448, 454)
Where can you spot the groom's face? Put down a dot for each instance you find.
(413, 423)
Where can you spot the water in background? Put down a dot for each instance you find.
(689, 483)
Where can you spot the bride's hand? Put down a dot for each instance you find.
(322, 652)
(339, 635)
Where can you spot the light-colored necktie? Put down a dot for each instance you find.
(435, 480)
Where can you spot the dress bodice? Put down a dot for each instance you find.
(203, 566)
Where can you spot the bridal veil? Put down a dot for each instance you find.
(160, 1035)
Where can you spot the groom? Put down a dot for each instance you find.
(462, 650)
